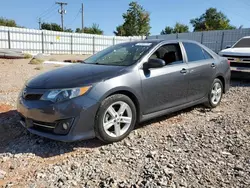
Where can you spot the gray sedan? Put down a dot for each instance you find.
(109, 93)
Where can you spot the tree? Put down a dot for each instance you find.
(178, 28)
(54, 27)
(167, 30)
(51, 26)
(94, 29)
(136, 22)
(7, 22)
(211, 20)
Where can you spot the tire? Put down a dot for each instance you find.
(214, 96)
(109, 118)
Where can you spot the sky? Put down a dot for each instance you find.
(108, 13)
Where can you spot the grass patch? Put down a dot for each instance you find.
(36, 61)
(27, 56)
(39, 68)
(52, 59)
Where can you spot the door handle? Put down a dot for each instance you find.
(213, 65)
(183, 71)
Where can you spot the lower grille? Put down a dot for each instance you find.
(233, 64)
(44, 126)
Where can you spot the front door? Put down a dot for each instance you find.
(165, 87)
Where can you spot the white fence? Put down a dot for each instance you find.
(52, 42)
(215, 40)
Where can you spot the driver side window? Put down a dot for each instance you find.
(170, 53)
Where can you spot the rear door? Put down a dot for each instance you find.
(202, 70)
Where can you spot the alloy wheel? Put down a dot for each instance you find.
(117, 119)
(216, 93)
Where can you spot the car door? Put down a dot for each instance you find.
(202, 70)
(167, 86)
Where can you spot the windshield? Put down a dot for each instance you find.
(243, 43)
(121, 54)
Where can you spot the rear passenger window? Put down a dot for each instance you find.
(194, 52)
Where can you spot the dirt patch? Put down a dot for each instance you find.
(5, 107)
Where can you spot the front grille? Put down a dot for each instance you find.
(33, 97)
(233, 64)
(235, 56)
(238, 59)
(43, 126)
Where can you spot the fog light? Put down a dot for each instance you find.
(63, 126)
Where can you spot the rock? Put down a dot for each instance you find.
(75, 166)
(2, 174)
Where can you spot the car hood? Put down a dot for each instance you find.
(74, 76)
(236, 51)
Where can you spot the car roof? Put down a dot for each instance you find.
(155, 41)
(246, 37)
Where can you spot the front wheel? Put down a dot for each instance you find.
(215, 94)
(115, 118)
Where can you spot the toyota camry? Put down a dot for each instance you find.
(107, 94)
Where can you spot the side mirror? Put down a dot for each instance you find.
(228, 46)
(154, 63)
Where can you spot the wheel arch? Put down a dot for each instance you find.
(127, 92)
(222, 79)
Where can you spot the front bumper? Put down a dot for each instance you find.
(43, 117)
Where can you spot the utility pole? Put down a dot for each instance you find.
(82, 19)
(39, 22)
(62, 11)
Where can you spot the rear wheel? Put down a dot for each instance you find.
(115, 118)
(215, 94)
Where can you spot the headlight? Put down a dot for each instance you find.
(64, 94)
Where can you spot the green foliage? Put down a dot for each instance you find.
(136, 22)
(167, 30)
(27, 56)
(51, 26)
(8, 23)
(178, 28)
(54, 27)
(35, 61)
(68, 30)
(211, 20)
(94, 29)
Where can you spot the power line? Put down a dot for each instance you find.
(74, 18)
(248, 4)
(46, 11)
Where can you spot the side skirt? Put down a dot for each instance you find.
(171, 110)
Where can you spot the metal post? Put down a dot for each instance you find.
(177, 36)
(113, 40)
(71, 43)
(9, 39)
(42, 43)
(202, 35)
(82, 19)
(222, 40)
(93, 45)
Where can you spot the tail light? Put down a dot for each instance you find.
(228, 62)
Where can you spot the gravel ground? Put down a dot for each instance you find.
(197, 147)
